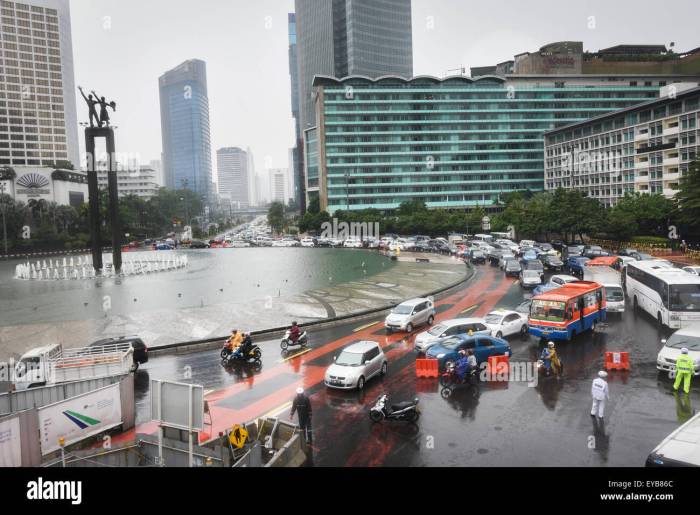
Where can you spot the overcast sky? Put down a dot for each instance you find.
(121, 47)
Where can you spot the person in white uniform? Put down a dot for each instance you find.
(600, 394)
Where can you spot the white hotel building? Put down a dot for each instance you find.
(646, 148)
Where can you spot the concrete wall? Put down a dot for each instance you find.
(13, 402)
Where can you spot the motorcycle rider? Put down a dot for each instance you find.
(245, 346)
(472, 360)
(294, 332)
(233, 341)
(462, 366)
(550, 359)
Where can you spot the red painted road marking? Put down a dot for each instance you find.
(314, 375)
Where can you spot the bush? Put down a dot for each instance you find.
(651, 240)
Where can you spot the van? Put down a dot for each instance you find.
(411, 314)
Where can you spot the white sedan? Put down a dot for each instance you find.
(504, 322)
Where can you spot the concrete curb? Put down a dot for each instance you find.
(215, 343)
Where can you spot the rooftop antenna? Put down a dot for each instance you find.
(462, 70)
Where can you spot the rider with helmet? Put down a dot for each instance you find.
(294, 332)
(462, 366)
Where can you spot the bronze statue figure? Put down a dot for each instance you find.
(91, 106)
(92, 101)
(104, 115)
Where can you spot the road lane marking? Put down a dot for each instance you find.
(469, 309)
(295, 355)
(365, 327)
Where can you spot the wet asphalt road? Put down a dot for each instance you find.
(494, 424)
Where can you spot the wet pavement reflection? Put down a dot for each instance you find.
(488, 424)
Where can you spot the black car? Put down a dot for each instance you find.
(572, 251)
(196, 244)
(439, 246)
(140, 348)
(594, 253)
(512, 268)
(477, 256)
(421, 246)
(553, 263)
(494, 257)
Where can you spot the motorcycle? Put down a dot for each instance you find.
(253, 355)
(542, 368)
(286, 341)
(407, 411)
(450, 377)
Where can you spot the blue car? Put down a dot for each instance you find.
(543, 288)
(164, 246)
(483, 346)
(575, 264)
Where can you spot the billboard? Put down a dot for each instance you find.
(10, 445)
(79, 417)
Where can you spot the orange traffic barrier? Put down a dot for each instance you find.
(498, 365)
(427, 368)
(617, 361)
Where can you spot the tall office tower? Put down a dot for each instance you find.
(348, 37)
(232, 170)
(184, 119)
(252, 184)
(37, 86)
(297, 155)
(278, 183)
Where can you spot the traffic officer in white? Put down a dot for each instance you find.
(600, 394)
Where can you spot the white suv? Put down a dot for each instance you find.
(410, 314)
(356, 364)
(688, 337)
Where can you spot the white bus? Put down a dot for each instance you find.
(670, 295)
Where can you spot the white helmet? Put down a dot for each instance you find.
(602, 374)
(550, 344)
(300, 390)
(684, 350)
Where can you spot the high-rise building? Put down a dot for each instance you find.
(278, 185)
(370, 38)
(38, 120)
(184, 118)
(296, 154)
(455, 142)
(252, 184)
(645, 148)
(232, 172)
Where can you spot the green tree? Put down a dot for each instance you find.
(687, 200)
(275, 217)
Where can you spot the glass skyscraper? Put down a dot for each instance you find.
(184, 118)
(452, 143)
(371, 38)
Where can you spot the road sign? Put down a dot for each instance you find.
(238, 436)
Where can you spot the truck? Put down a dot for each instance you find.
(611, 280)
(52, 364)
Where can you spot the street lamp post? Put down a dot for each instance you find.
(4, 223)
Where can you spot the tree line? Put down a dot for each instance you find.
(566, 214)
